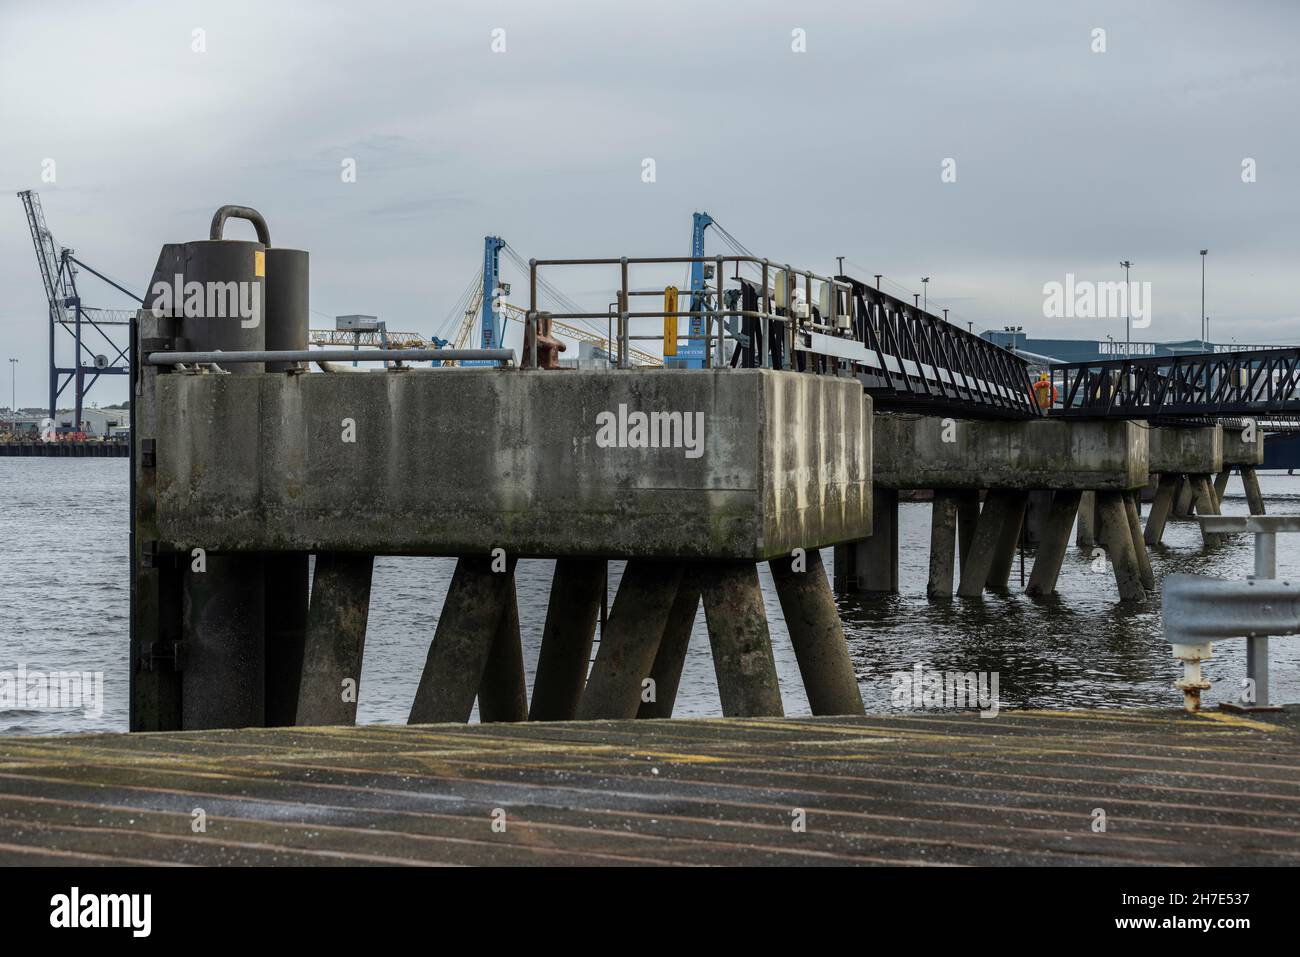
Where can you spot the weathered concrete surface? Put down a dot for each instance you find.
(1088, 524)
(646, 596)
(1254, 497)
(666, 672)
(910, 452)
(335, 640)
(458, 461)
(994, 543)
(1117, 537)
(1161, 506)
(223, 620)
(577, 587)
(927, 788)
(1237, 451)
(1177, 450)
(742, 647)
(1056, 539)
(817, 634)
(1145, 573)
(943, 544)
(503, 692)
(467, 630)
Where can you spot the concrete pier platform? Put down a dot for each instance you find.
(930, 788)
(1186, 450)
(664, 463)
(920, 451)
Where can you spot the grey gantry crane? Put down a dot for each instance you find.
(91, 329)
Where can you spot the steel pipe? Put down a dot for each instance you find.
(505, 356)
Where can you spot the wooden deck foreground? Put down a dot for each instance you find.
(910, 789)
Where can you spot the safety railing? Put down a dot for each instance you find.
(1259, 382)
(1198, 611)
(911, 359)
(716, 314)
(785, 318)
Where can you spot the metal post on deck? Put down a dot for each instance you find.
(719, 316)
(623, 342)
(530, 335)
(1257, 648)
(787, 333)
(1198, 611)
(1265, 528)
(763, 323)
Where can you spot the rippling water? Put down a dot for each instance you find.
(63, 571)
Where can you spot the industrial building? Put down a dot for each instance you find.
(1095, 350)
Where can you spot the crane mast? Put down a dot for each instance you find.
(58, 268)
(692, 353)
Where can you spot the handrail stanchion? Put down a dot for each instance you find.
(530, 335)
(760, 347)
(1265, 528)
(623, 342)
(1257, 648)
(718, 312)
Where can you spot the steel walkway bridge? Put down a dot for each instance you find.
(1259, 384)
(910, 360)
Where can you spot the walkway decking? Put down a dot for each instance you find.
(936, 788)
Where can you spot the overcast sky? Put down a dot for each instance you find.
(1067, 160)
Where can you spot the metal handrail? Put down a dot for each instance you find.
(1198, 610)
(1256, 382)
(712, 318)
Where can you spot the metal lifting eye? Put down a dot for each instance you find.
(240, 212)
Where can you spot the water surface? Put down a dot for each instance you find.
(63, 572)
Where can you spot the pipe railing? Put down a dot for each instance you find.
(714, 331)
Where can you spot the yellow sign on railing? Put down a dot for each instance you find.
(670, 321)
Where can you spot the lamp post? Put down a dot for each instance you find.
(13, 392)
(1205, 328)
(1128, 292)
(925, 290)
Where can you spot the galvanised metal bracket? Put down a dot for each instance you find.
(1265, 529)
(1198, 611)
